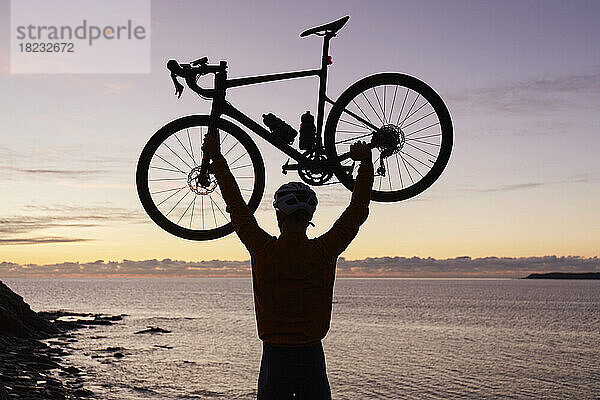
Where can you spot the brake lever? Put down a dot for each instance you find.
(178, 86)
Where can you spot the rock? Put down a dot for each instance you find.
(118, 355)
(153, 329)
(111, 349)
(72, 370)
(18, 319)
(83, 393)
(3, 393)
(26, 363)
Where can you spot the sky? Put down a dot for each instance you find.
(521, 80)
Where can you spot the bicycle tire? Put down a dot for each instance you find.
(383, 89)
(160, 166)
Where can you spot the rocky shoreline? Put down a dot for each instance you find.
(31, 365)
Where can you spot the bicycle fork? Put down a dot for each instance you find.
(203, 178)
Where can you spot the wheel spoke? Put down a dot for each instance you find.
(420, 149)
(219, 208)
(424, 142)
(169, 163)
(410, 109)
(393, 102)
(363, 121)
(380, 107)
(224, 137)
(186, 150)
(173, 194)
(384, 96)
(416, 159)
(240, 166)
(177, 155)
(345, 131)
(202, 208)
(407, 170)
(402, 108)
(422, 129)
(362, 112)
(167, 179)
(167, 190)
(389, 174)
(232, 147)
(423, 137)
(233, 162)
(417, 120)
(191, 147)
(176, 204)
(167, 169)
(399, 171)
(186, 210)
(372, 108)
(354, 138)
(192, 216)
(354, 124)
(213, 210)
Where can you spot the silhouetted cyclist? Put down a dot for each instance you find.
(293, 276)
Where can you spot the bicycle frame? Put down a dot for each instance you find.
(221, 107)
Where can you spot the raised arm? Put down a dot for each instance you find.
(345, 229)
(242, 218)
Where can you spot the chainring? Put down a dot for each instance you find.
(315, 176)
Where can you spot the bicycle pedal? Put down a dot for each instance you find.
(288, 167)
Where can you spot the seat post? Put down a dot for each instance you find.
(323, 82)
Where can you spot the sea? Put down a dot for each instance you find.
(389, 338)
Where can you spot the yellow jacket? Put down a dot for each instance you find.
(292, 275)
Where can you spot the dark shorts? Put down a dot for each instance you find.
(293, 373)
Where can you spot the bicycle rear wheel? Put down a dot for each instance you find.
(409, 122)
(166, 178)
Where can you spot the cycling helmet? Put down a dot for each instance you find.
(295, 196)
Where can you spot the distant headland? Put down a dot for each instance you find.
(565, 275)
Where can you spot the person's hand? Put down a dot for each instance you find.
(360, 151)
(211, 147)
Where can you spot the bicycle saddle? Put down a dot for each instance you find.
(332, 27)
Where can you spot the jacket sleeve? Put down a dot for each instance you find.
(345, 229)
(243, 220)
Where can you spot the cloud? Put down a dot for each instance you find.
(64, 216)
(54, 172)
(577, 178)
(498, 267)
(40, 240)
(538, 95)
(128, 268)
(518, 186)
(67, 161)
(459, 267)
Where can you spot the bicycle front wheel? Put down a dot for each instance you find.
(167, 181)
(409, 125)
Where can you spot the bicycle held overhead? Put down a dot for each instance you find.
(403, 120)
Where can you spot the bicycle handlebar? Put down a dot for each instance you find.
(190, 72)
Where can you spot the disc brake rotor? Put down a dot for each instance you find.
(193, 182)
